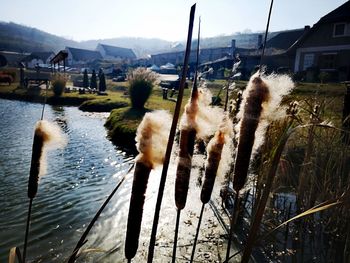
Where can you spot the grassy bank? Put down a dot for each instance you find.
(88, 102)
(122, 123)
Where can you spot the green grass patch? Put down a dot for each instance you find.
(102, 105)
(122, 125)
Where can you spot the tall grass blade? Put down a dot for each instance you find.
(171, 138)
(254, 229)
(83, 240)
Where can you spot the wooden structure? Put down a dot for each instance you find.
(57, 59)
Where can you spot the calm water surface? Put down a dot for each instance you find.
(79, 178)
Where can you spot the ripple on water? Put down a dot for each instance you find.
(78, 179)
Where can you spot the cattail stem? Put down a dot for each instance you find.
(233, 221)
(27, 230)
(178, 214)
(82, 240)
(197, 233)
(254, 228)
(266, 32)
(171, 138)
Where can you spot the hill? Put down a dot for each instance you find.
(19, 38)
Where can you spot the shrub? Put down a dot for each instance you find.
(141, 83)
(58, 84)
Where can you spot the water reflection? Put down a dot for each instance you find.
(78, 179)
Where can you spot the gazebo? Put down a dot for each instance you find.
(60, 56)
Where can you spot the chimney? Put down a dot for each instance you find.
(306, 28)
(233, 47)
(260, 37)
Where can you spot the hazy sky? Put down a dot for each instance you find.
(166, 19)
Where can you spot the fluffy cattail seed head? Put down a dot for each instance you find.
(46, 135)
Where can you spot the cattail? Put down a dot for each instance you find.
(214, 157)
(260, 104)
(151, 139)
(258, 93)
(46, 134)
(141, 175)
(187, 139)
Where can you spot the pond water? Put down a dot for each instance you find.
(79, 178)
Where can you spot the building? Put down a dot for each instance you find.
(80, 57)
(11, 59)
(205, 55)
(326, 47)
(116, 53)
(276, 56)
(38, 58)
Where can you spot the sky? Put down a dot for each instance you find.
(166, 19)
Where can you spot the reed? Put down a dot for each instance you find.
(171, 137)
(215, 150)
(151, 138)
(188, 131)
(261, 100)
(83, 240)
(46, 136)
(257, 93)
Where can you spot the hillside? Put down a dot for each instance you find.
(19, 38)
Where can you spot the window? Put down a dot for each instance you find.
(339, 30)
(308, 61)
(328, 61)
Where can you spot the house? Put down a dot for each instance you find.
(116, 53)
(80, 57)
(12, 59)
(326, 47)
(37, 58)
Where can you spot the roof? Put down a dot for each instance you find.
(13, 58)
(84, 54)
(60, 56)
(168, 66)
(285, 40)
(118, 51)
(342, 13)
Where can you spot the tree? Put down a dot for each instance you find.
(85, 79)
(141, 82)
(93, 81)
(102, 83)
